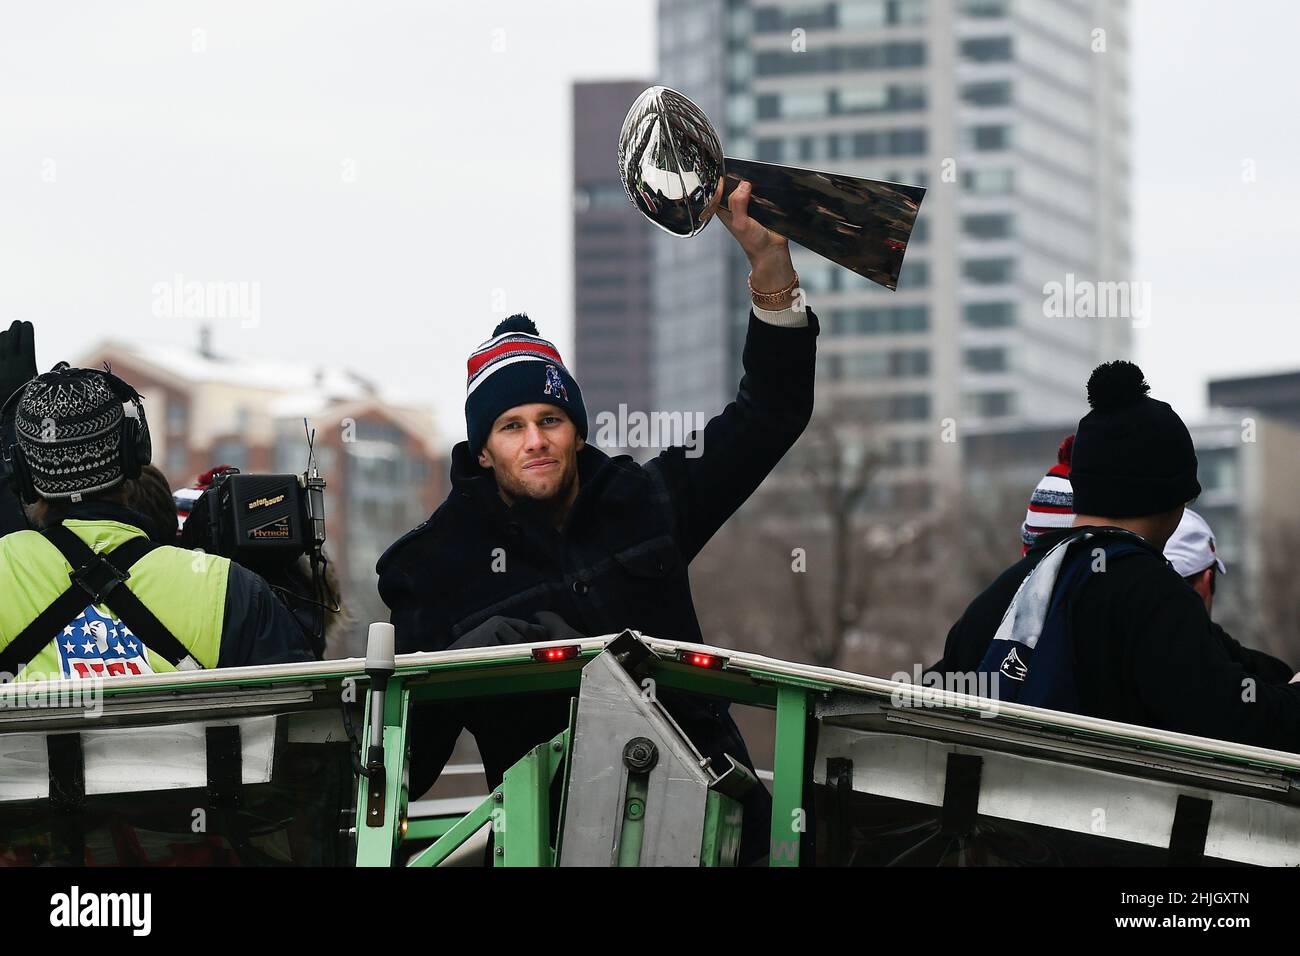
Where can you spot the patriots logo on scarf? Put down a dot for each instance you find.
(95, 645)
(1014, 667)
(554, 386)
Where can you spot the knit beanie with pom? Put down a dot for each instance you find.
(1132, 455)
(516, 366)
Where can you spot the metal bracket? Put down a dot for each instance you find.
(98, 578)
(67, 769)
(1190, 828)
(961, 793)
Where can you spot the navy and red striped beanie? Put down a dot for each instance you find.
(1051, 506)
(516, 366)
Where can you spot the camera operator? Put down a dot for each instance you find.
(90, 595)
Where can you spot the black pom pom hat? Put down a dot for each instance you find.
(1132, 454)
(516, 366)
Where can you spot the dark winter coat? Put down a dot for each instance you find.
(1147, 653)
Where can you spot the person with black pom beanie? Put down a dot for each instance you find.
(544, 537)
(1095, 621)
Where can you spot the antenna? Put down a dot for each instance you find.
(315, 485)
(312, 471)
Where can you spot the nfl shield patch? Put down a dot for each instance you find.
(98, 645)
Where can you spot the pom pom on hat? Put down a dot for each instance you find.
(1066, 450)
(519, 322)
(1116, 385)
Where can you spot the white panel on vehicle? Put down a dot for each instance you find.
(1254, 831)
(24, 767)
(170, 756)
(1065, 796)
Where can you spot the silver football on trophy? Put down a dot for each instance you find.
(671, 164)
(670, 161)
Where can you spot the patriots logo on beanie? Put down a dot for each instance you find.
(553, 384)
(516, 366)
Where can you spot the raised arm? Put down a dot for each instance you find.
(741, 445)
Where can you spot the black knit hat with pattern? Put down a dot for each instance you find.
(1132, 455)
(69, 427)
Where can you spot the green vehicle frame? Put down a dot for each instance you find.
(849, 751)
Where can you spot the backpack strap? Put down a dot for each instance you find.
(19, 652)
(95, 580)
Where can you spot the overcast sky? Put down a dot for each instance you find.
(386, 176)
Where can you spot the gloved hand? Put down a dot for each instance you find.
(500, 630)
(557, 628)
(497, 630)
(17, 358)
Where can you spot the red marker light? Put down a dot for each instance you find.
(701, 659)
(551, 655)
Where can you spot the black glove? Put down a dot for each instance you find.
(500, 630)
(557, 628)
(17, 358)
(512, 630)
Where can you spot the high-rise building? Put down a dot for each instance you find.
(1013, 114)
(611, 259)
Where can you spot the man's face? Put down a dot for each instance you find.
(533, 449)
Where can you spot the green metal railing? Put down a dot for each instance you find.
(520, 809)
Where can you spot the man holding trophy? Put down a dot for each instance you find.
(545, 537)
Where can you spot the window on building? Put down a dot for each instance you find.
(987, 138)
(908, 452)
(990, 359)
(804, 104)
(987, 182)
(837, 59)
(896, 363)
(907, 142)
(1216, 469)
(990, 315)
(993, 225)
(176, 459)
(986, 49)
(770, 150)
(987, 94)
(990, 404)
(915, 275)
(231, 451)
(989, 271)
(177, 417)
(913, 407)
(985, 9)
(909, 408)
(883, 321)
(865, 144)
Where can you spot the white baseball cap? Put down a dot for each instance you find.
(1191, 548)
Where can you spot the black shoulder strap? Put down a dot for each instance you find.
(95, 580)
(20, 651)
